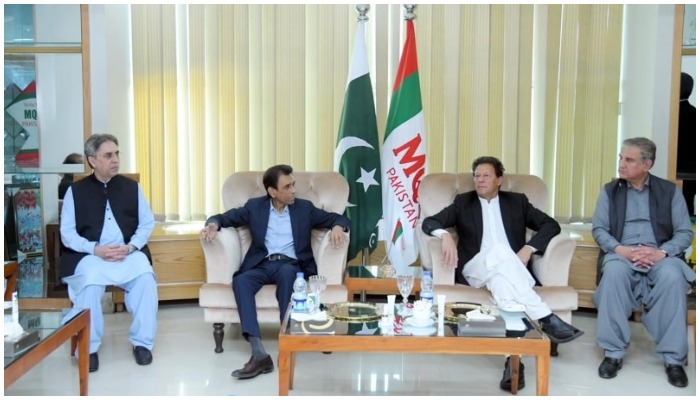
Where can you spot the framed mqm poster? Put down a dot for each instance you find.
(31, 280)
(28, 220)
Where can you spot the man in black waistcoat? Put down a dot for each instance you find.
(642, 226)
(105, 225)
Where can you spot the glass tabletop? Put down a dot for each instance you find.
(361, 318)
(44, 322)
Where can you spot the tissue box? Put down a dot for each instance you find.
(495, 328)
(16, 345)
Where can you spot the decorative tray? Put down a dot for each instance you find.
(354, 312)
(453, 311)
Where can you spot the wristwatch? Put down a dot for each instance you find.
(132, 248)
(664, 251)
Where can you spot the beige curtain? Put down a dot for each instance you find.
(582, 81)
(226, 88)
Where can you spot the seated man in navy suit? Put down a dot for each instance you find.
(280, 227)
(492, 250)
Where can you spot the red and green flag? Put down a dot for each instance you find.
(403, 159)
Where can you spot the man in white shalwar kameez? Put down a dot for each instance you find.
(105, 226)
(493, 250)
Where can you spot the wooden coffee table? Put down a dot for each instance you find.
(533, 343)
(367, 279)
(53, 335)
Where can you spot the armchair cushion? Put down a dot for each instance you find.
(437, 191)
(223, 256)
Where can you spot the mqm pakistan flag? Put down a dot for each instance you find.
(403, 159)
(357, 152)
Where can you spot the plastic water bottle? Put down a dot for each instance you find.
(426, 287)
(299, 295)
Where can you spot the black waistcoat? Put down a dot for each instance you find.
(660, 198)
(90, 199)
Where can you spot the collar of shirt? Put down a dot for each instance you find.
(483, 201)
(274, 210)
(645, 185)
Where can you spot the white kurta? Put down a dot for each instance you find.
(134, 273)
(500, 270)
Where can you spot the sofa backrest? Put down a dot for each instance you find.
(437, 191)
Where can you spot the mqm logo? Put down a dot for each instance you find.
(411, 169)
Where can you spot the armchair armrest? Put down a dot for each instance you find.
(331, 262)
(552, 268)
(222, 256)
(431, 258)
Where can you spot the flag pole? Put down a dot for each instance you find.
(362, 10)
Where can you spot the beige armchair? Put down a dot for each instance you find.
(223, 256)
(437, 191)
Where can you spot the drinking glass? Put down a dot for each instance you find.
(405, 284)
(317, 284)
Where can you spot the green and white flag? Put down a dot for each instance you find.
(403, 159)
(357, 152)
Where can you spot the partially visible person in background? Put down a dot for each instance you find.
(685, 163)
(67, 179)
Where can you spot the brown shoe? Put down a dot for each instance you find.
(253, 368)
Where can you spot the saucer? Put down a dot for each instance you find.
(419, 324)
(416, 331)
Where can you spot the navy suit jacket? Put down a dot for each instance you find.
(517, 212)
(304, 217)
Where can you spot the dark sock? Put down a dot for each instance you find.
(257, 346)
(546, 319)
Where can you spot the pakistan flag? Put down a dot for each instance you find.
(357, 152)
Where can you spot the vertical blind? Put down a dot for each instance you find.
(226, 88)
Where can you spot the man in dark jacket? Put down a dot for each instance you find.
(280, 227)
(493, 252)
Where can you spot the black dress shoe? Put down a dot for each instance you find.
(609, 367)
(558, 330)
(505, 381)
(142, 355)
(676, 375)
(94, 362)
(254, 367)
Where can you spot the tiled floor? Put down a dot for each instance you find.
(185, 364)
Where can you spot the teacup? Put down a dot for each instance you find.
(421, 311)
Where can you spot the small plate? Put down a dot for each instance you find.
(354, 312)
(454, 310)
(419, 324)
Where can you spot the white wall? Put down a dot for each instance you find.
(112, 90)
(646, 77)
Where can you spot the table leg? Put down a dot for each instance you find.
(514, 373)
(284, 368)
(542, 374)
(292, 364)
(84, 357)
